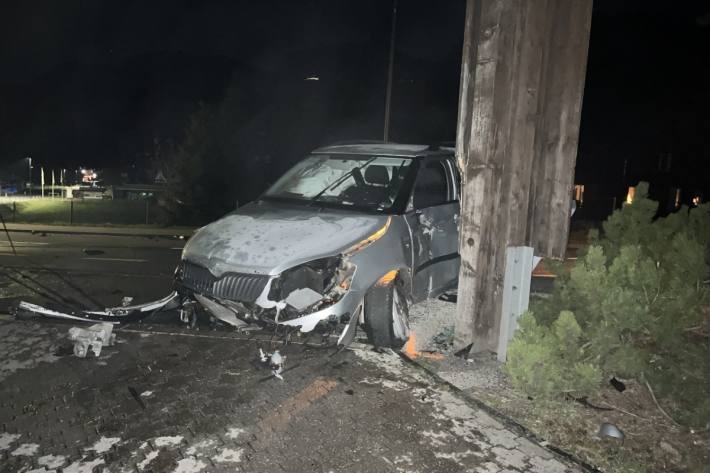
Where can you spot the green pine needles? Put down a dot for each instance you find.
(635, 305)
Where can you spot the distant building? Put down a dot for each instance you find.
(137, 191)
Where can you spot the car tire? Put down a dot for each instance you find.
(386, 315)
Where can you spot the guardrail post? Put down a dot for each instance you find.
(519, 265)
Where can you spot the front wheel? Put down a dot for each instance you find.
(387, 315)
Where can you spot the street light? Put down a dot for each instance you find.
(29, 170)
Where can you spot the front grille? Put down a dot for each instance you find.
(231, 286)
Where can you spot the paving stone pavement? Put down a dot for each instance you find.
(190, 402)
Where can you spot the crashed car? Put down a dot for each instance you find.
(351, 235)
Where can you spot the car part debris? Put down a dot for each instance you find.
(136, 396)
(112, 315)
(219, 311)
(610, 430)
(275, 361)
(463, 353)
(618, 385)
(303, 298)
(348, 334)
(91, 338)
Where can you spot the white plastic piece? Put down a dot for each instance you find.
(276, 363)
(93, 337)
(303, 298)
(36, 309)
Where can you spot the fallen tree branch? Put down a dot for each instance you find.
(698, 330)
(611, 406)
(659, 406)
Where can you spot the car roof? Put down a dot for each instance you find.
(386, 149)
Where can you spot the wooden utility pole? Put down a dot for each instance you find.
(390, 74)
(522, 79)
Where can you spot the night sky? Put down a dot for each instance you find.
(95, 82)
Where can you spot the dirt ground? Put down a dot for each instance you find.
(652, 442)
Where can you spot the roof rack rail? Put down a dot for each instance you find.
(359, 142)
(442, 144)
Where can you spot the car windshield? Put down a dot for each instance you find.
(358, 181)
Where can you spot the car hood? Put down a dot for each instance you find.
(267, 239)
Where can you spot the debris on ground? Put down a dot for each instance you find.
(618, 385)
(610, 430)
(124, 313)
(136, 396)
(92, 338)
(444, 340)
(432, 322)
(275, 361)
(567, 423)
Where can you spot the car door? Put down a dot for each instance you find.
(433, 216)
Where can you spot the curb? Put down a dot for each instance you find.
(178, 234)
(506, 420)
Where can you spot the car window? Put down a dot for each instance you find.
(363, 181)
(432, 186)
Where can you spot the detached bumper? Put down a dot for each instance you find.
(113, 315)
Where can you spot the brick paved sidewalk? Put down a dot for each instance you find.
(204, 403)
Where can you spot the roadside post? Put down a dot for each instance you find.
(520, 101)
(519, 265)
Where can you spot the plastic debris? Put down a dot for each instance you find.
(610, 430)
(91, 338)
(275, 361)
(127, 313)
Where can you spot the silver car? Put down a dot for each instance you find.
(352, 235)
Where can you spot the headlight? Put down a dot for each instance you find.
(315, 284)
(314, 275)
(370, 239)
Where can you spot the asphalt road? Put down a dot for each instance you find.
(71, 271)
(169, 399)
(74, 271)
(165, 399)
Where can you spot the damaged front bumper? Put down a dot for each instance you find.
(343, 315)
(115, 315)
(299, 302)
(346, 312)
(317, 294)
